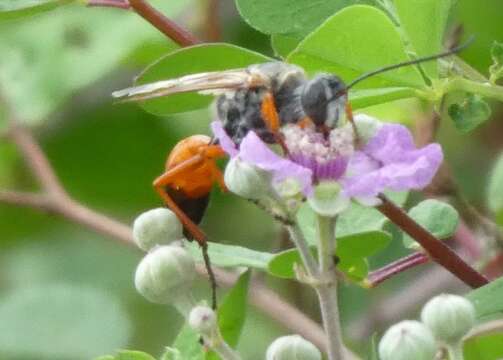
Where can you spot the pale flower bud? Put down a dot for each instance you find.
(156, 227)
(246, 180)
(449, 317)
(328, 200)
(292, 347)
(203, 320)
(407, 340)
(165, 274)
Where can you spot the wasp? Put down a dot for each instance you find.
(260, 98)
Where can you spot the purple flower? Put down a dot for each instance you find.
(388, 161)
(391, 161)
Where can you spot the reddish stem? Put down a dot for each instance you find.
(437, 250)
(169, 28)
(120, 4)
(378, 276)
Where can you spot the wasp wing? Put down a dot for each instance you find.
(209, 82)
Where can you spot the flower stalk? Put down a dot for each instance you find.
(327, 288)
(455, 351)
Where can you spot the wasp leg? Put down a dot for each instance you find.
(165, 180)
(271, 119)
(349, 115)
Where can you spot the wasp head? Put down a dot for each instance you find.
(323, 99)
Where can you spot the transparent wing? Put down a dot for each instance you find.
(210, 82)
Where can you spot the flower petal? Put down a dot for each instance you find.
(225, 141)
(256, 152)
(391, 161)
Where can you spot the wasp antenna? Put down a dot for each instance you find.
(420, 60)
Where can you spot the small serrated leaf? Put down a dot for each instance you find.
(495, 190)
(470, 113)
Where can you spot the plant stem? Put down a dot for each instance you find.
(165, 25)
(483, 89)
(305, 254)
(327, 287)
(378, 276)
(120, 4)
(437, 250)
(455, 351)
(225, 351)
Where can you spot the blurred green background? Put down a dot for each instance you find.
(67, 292)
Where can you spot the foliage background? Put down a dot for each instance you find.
(59, 68)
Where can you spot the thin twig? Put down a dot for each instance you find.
(378, 276)
(35, 159)
(165, 25)
(437, 250)
(120, 4)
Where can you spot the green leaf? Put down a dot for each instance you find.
(284, 44)
(374, 343)
(105, 357)
(355, 269)
(80, 320)
(231, 255)
(356, 220)
(287, 16)
(133, 355)
(486, 347)
(192, 60)
(171, 354)
(232, 313)
(282, 264)
(424, 23)
(187, 343)
(368, 97)
(488, 300)
(495, 190)
(362, 39)
(37, 83)
(351, 250)
(359, 219)
(15, 9)
(437, 217)
(362, 245)
(470, 113)
(496, 69)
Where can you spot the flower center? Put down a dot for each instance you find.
(326, 156)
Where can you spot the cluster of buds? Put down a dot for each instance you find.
(167, 272)
(445, 320)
